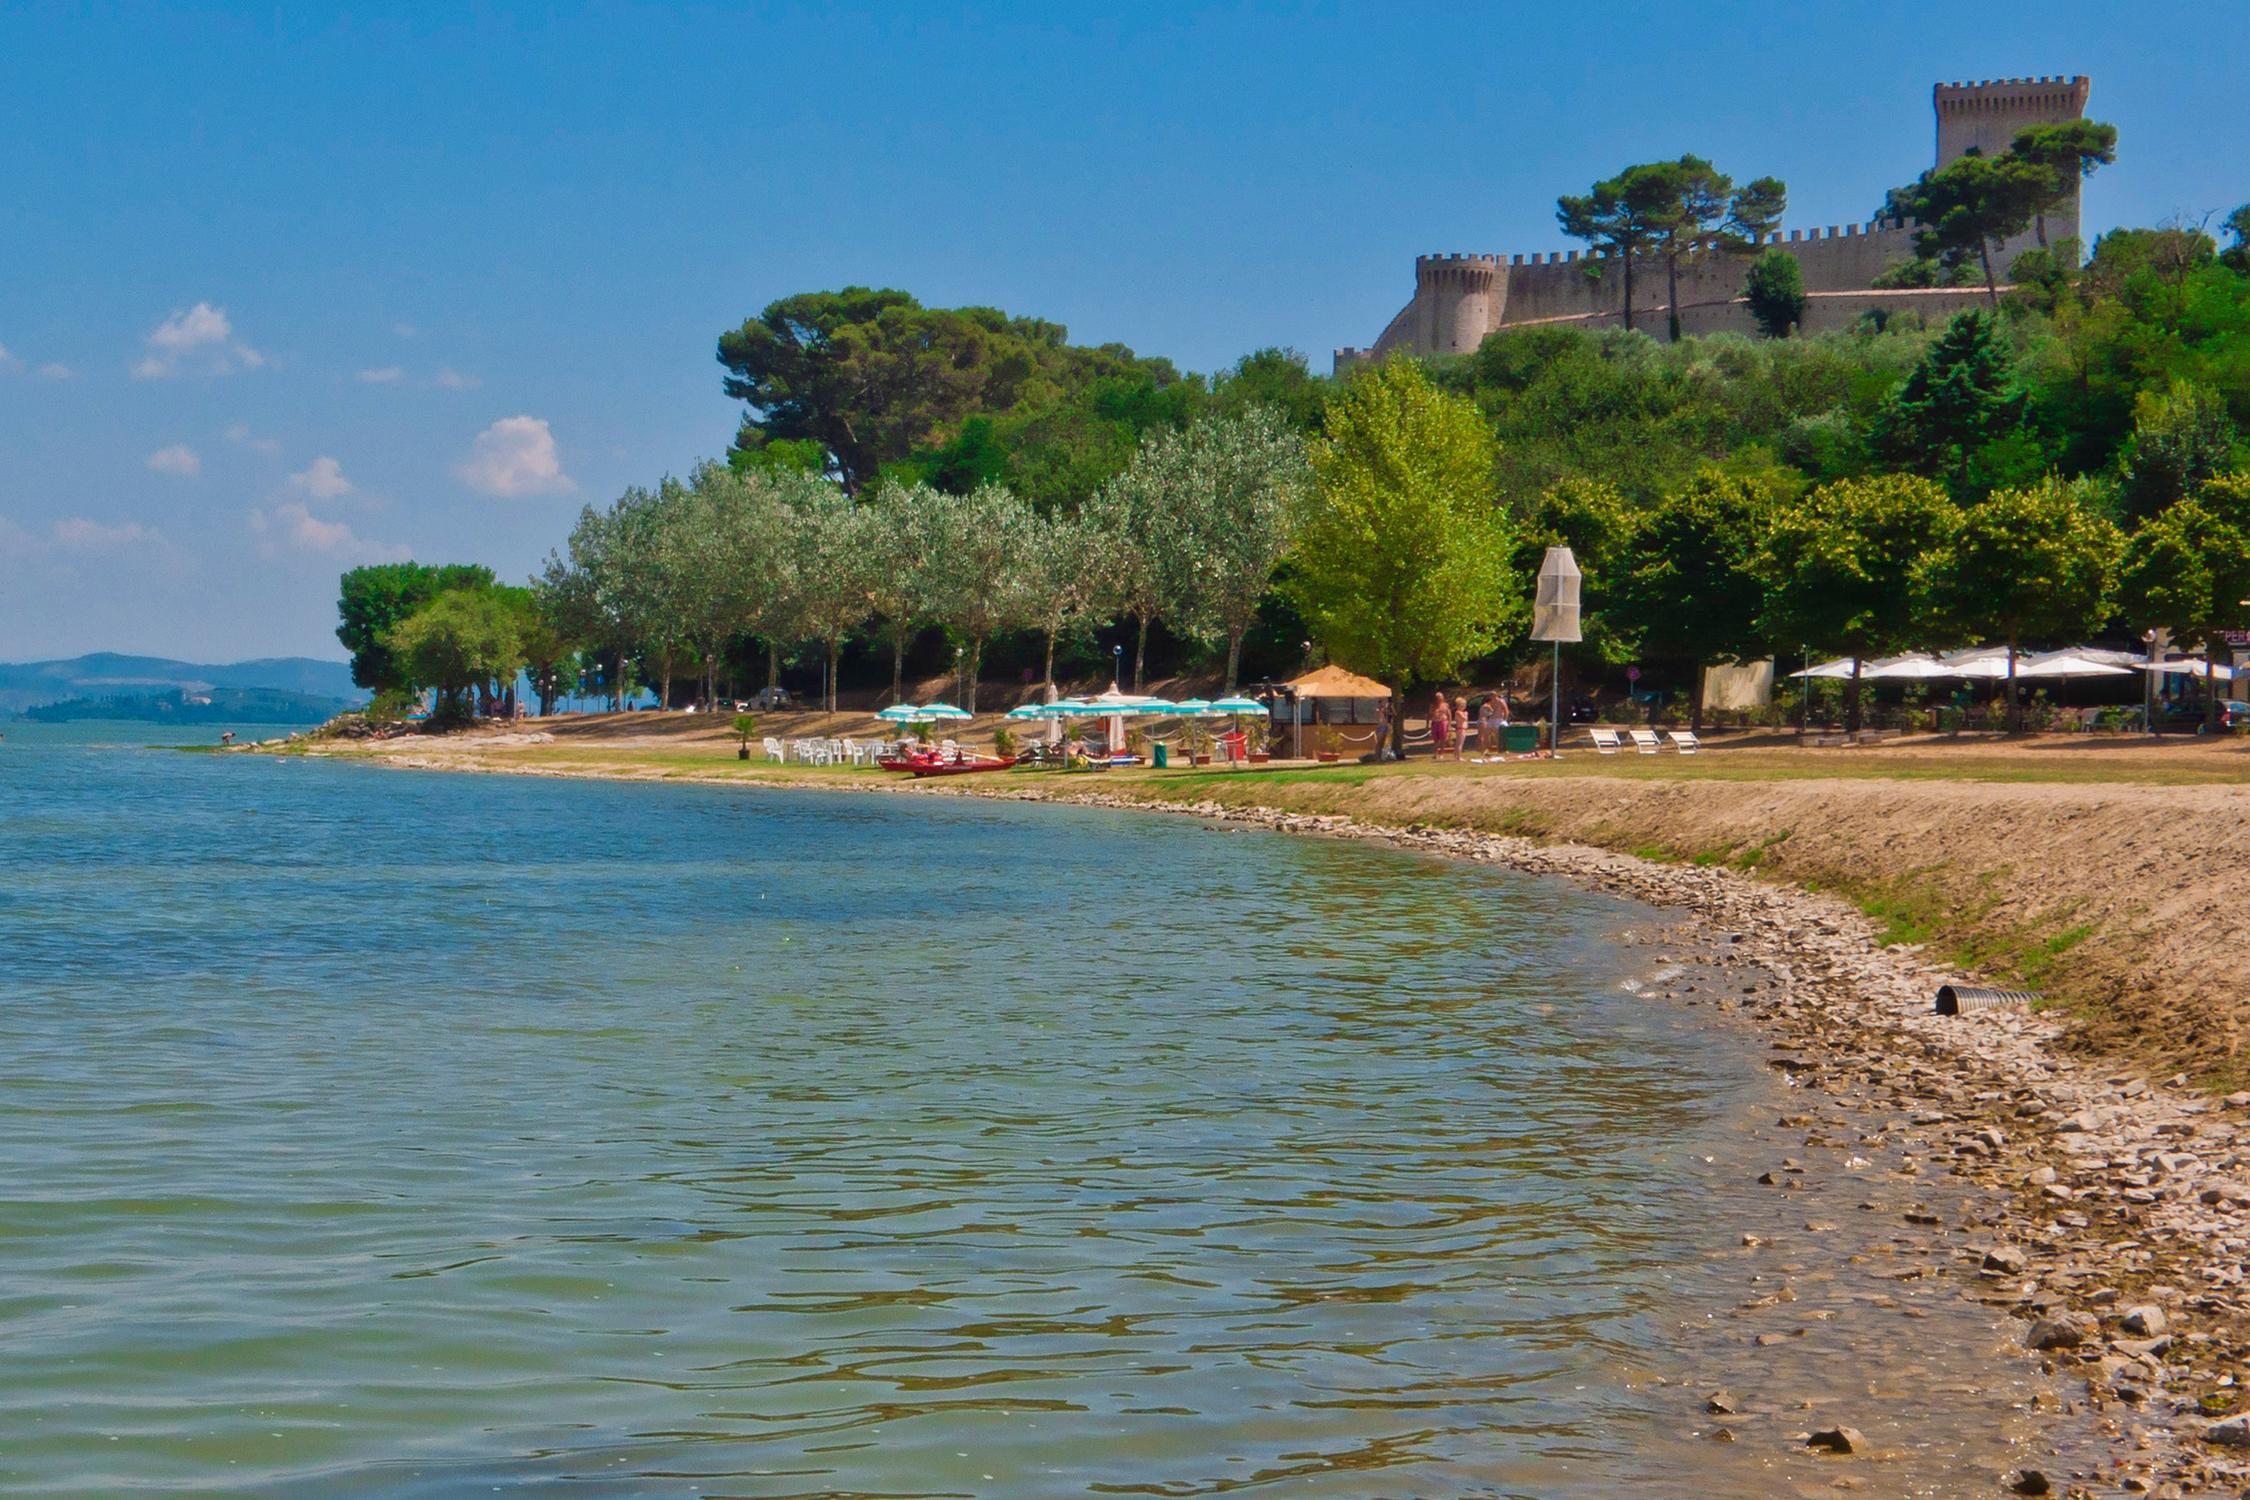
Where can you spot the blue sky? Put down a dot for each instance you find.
(286, 287)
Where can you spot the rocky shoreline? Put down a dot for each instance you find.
(2108, 1213)
(2113, 1213)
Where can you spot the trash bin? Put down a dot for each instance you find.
(1520, 739)
(1157, 757)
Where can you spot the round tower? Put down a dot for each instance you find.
(1458, 300)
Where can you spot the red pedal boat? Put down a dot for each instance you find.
(938, 763)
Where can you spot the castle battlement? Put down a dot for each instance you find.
(1461, 297)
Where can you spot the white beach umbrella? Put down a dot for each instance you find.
(1841, 667)
(1989, 663)
(918, 713)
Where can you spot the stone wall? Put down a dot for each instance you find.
(1459, 300)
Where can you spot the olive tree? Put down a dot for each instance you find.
(1229, 490)
(978, 547)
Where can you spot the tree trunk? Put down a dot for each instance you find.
(773, 671)
(1625, 255)
(664, 675)
(898, 664)
(2039, 226)
(1695, 698)
(1140, 651)
(834, 646)
(1991, 287)
(976, 670)
(617, 685)
(1050, 678)
(1234, 656)
(2210, 689)
(1672, 293)
(1851, 697)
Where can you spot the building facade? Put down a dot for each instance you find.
(1461, 299)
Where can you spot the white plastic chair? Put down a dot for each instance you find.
(1684, 741)
(1605, 740)
(1645, 741)
(775, 750)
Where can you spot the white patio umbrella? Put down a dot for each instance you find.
(2188, 666)
(2066, 663)
(1912, 668)
(1840, 668)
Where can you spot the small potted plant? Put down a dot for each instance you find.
(1258, 732)
(1199, 743)
(1329, 744)
(1003, 742)
(745, 725)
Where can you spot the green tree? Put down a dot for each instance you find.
(831, 563)
(1686, 584)
(901, 544)
(1959, 399)
(586, 590)
(2236, 257)
(978, 546)
(1695, 209)
(874, 377)
(1775, 290)
(459, 640)
(1278, 379)
(2068, 152)
(1620, 217)
(549, 652)
(1064, 581)
(2030, 564)
(1228, 489)
(1126, 515)
(1970, 206)
(1403, 565)
(372, 600)
(2187, 569)
(1848, 571)
(2182, 436)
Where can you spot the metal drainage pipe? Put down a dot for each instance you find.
(1959, 999)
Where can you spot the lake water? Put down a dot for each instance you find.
(400, 1135)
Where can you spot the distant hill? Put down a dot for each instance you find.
(216, 706)
(106, 674)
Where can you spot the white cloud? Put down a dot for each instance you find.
(406, 330)
(513, 457)
(178, 459)
(453, 380)
(323, 479)
(78, 534)
(291, 526)
(9, 361)
(55, 371)
(382, 376)
(197, 341)
(240, 435)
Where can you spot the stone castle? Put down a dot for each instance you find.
(1459, 299)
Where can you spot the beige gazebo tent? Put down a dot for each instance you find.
(1334, 683)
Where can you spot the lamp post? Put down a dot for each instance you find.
(1116, 665)
(1554, 617)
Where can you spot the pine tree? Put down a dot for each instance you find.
(1958, 399)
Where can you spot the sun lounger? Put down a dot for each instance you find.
(1684, 741)
(1605, 740)
(1645, 741)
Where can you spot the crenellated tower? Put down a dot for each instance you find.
(1462, 298)
(1985, 116)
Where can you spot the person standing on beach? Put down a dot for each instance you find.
(1441, 727)
(1461, 729)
